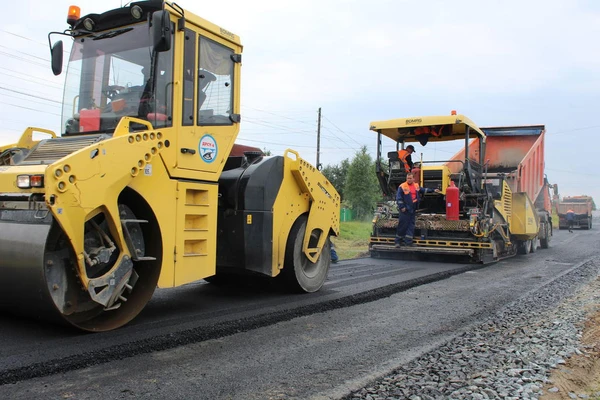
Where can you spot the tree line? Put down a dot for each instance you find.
(356, 182)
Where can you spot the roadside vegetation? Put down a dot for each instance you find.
(554, 218)
(353, 241)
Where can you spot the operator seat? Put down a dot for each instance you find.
(397, 172)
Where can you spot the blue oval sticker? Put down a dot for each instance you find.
(208, 148)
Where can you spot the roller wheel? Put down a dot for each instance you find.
(299, 273)
(132, 293)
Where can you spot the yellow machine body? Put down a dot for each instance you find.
(154, 199)
(490, 216)
(525, 223)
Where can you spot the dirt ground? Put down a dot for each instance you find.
(580, 376)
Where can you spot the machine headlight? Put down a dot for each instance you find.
(88, 24)
(29, 181)
(136, 12)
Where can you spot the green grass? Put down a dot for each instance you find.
(353, 241)
(554, 219)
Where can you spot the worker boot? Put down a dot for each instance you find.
(398, 242)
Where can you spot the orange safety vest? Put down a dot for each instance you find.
(406, 189)
(402, 154)
(426, 130)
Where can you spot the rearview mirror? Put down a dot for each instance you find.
(161, 31)
(56, 55)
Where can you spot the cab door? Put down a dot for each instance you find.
(210, 112)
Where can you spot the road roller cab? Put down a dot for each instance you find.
(138, 190)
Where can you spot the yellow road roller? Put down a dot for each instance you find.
(144, 186)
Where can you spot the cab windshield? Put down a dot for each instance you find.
(114, 74)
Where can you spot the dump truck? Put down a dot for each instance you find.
(582, 207)
(140, 189)
(501, 197)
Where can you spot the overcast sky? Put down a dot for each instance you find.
(498, 62)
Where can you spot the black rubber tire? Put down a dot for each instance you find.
(299, 273)
(545, 242)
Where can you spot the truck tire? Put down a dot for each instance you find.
(299, 273)
(545, 241)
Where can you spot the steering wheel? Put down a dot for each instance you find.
(113, 91)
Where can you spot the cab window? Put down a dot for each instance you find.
(215, 83)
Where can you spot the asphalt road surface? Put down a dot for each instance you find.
(255, 342)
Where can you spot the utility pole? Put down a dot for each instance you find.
(319, 141)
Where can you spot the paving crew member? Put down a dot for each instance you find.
(423, 133)
(407, 199)
(334, 254)
(570, 219)
(405, 159)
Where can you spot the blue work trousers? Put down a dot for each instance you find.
(406, 227)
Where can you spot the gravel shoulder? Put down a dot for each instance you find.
(522, 352)
(579, 377)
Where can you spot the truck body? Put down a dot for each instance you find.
(582, 207)
(515, 155)
(503, 204)
(145, 186)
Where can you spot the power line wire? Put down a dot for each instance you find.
(24, 59)
(573, 130)
(23, 37)
(27, 54)
(279, 115)
(29, 80)
(30, 95)
(270, 125)
(45, 44)
(338, 128)
(571, 172)
(33, 101)
(29, 108)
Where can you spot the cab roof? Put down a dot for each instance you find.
(453, 127)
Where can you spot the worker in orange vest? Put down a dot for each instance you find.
(408, 197)
(423, 133)
(570, 219)
(404, 157)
